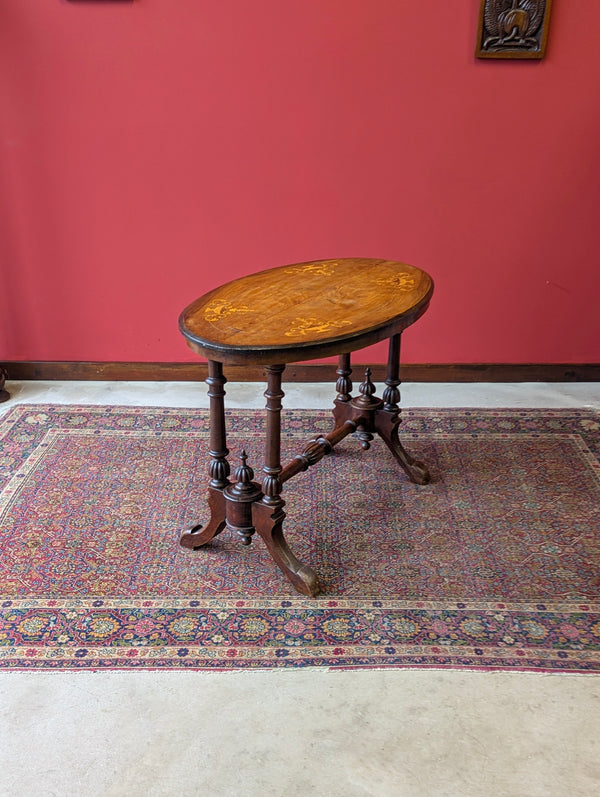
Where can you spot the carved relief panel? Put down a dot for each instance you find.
(513, 28)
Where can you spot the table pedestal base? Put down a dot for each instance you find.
(246, 507)
(257, 517)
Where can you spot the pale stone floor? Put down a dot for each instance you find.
(402, 733)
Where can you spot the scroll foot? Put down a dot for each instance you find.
(416, 471)
(199, 535)
(268, 521)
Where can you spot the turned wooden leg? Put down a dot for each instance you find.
(268, 514)
(271, 484)
(391, 394)
(387, 420)
(344, 382)
(342, 409)
(219, 466)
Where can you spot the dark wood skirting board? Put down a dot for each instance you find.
(320, 372)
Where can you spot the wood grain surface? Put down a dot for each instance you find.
(306, 310)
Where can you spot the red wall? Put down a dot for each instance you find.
(154, 149)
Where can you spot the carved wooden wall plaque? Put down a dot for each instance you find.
(513, 28)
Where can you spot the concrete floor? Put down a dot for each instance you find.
(413, 733)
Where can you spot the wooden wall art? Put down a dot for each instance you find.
(513, 28)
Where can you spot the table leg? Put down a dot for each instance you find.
(344, 382)
(268, 514)
(219, 466)
(387, 419)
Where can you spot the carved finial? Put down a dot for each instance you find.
(243, 473)
(367, 388)
(364, 437)
(239, 498)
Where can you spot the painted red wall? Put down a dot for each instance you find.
(154, 149)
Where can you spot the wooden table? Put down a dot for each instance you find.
(289, 314)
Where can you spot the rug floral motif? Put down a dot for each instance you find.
(494, 565)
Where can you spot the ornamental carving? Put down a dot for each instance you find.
(513, 28)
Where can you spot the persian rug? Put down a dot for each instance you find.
(494, 565)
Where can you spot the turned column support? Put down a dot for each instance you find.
(271, 484)
(268, 514)
(344, 383)
(219, 467)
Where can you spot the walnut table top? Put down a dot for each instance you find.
(306, 311)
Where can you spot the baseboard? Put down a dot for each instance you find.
(193, 372)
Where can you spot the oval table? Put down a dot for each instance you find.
(295, 313)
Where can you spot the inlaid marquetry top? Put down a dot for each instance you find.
(306, 310)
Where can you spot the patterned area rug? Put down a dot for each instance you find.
(494, 565)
